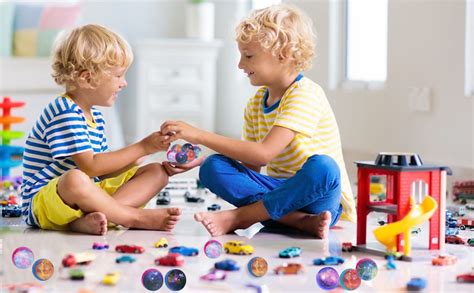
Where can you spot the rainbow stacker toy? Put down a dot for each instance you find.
(415, 193)
(9, 154)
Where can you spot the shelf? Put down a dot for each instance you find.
(23, 74)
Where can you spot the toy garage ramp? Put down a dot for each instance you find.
(387, 234)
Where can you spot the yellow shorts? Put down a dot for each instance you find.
(53, 214)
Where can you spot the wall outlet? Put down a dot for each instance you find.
(419, 99)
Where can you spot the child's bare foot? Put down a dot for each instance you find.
(317, 225)
(93, 223)
(220, 223)
(158, 219)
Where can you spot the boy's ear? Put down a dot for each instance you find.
(85, 79)
(283, 56)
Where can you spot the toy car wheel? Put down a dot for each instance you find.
(241, 252)
(462, 227)
(118, 249)
(165, 245)
(226, 250)
(136, 250)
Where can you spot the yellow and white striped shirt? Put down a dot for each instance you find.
(304, 109)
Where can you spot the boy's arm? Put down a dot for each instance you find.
(256, 154)
(255, 168)
(96, 165)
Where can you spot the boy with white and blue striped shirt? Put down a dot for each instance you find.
(71, 181)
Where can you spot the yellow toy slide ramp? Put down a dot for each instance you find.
(387, 234)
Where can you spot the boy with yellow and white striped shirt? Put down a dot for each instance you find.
(289, 127)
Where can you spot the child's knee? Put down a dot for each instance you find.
(208, 167)
(322, 166)
(73, 183)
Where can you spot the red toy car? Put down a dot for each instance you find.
(81, 258)
(468, 278)
(172, 259)
(129, 249)
(455, 239)
(347, 246)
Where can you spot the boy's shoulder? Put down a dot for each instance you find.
(61, 105)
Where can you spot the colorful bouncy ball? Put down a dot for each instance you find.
(183, 154)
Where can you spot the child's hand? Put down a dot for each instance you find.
(172, 169)
(155, 142)
(181, 130)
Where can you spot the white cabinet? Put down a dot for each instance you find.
(171, 79)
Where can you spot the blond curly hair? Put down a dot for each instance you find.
(91, 48)
(282, 29)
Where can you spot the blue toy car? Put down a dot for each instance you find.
(416, 284)
(125, 258)
(11, 211)
(214, 207)
(227, 265)
(290, 252)
(328, 261)
(183, 250)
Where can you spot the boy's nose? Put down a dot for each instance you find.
(124, 83)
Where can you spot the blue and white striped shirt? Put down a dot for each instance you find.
(61, 131)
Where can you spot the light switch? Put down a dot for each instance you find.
(420, 99)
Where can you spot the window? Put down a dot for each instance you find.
(469, 65)
(366, 42)
(258, 4)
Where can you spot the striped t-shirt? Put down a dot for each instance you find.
(304, 109)
(61, 131)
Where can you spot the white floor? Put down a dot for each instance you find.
(54, 245)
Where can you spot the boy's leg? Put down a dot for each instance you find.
(234, 182)
(76, 190)
(315, 189)
(146, 183)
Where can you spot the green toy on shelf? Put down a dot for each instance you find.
(9, 154)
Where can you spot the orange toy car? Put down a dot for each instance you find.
(444, 260)
(289, 269)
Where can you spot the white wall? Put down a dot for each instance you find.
(425, 48)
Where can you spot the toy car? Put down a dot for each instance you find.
(289, 269)
(237, 247)
(455, 239)
(81, 258)
(290, 252)
(390, 263)
(329, 261)
(396, 255)
(100, 246)
(13, 211)
(183, 250)
(172, 259)
(214, 207)
(125, 258)
(163, 198)
(470, 241)
(111, 279)
(227, 265)
(416, 230)
(163, 242)
(416, 284)
(347, 246)
(189, 198)
(76, 274)
(214, 275)
(129, 249)
(444, 260)
(468, 278)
